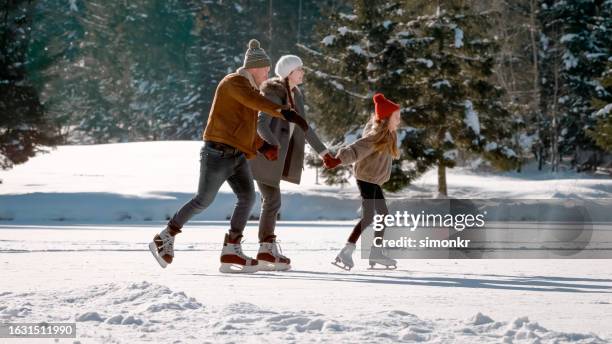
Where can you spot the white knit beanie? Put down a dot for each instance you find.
(287, 64)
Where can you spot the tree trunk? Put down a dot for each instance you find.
(442, 180)
(270, 27)
(555, 117)
(536, 78)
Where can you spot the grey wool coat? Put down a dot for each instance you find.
(276, 131)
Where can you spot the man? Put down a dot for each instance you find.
(230, 139)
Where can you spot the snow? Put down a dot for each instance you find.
(348, 16)
(568, 37)
(58, 276)
(343, 30)
(357, 49)
(451, 154)
(458, 38)
(509, 152)
(526, 141)
(471, 118)
(93, 267)
(441, 83)
(427, 62)
(147, 181)
(328, 40)
(569, 60)
(448, 137)
(73, 5)
(605, 110)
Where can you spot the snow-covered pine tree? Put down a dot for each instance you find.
(23, 125)
(577, 37)
(354, 60)
(457, 105)
(602, 132)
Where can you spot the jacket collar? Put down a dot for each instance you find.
(241, 71)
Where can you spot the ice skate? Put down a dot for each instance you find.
(271, 258)
(162, 247)
(233, 260)
(378, 257)
(344, 259)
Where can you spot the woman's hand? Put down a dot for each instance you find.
(330, 162)
(270, 152)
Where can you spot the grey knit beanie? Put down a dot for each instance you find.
(255, 56)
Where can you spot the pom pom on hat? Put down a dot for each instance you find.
(383, 107)
(254, 44)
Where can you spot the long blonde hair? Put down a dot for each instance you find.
(385, 140)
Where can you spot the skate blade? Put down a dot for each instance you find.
(343, 267)
(160, 260)
(384, 267)
(267, 266)
(228, 268)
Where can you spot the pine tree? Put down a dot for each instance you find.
(602, 132)
(24, 129)
(437, 66)
(457, 104)
(354, 62)
(147, 70)
(576, 45)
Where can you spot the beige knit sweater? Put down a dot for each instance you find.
(370, 165)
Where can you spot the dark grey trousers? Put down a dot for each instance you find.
(216, 167)
(270, 206)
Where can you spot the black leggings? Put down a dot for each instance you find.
(372, 201)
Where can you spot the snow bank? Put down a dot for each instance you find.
(149, 181)
(144, 312)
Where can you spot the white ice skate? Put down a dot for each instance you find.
(162, 247)
(344, 259)
(233, 260)
(271, 258)
(378, 257)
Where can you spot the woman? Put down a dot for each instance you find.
(268, 171)
(372, 155)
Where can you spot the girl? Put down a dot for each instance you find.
(372, 155)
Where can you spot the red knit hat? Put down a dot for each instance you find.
(383, 107)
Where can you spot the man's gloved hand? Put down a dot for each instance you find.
(270, 152)
(292, 116)
(330, 162)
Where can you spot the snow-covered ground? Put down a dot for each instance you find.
(148, 181)
(75, 224)
(105, 279)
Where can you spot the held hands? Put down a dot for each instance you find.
(330, 162)
(292, 116)
(270, 152)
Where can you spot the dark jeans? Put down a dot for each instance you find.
(216, 167)
(372, 202)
